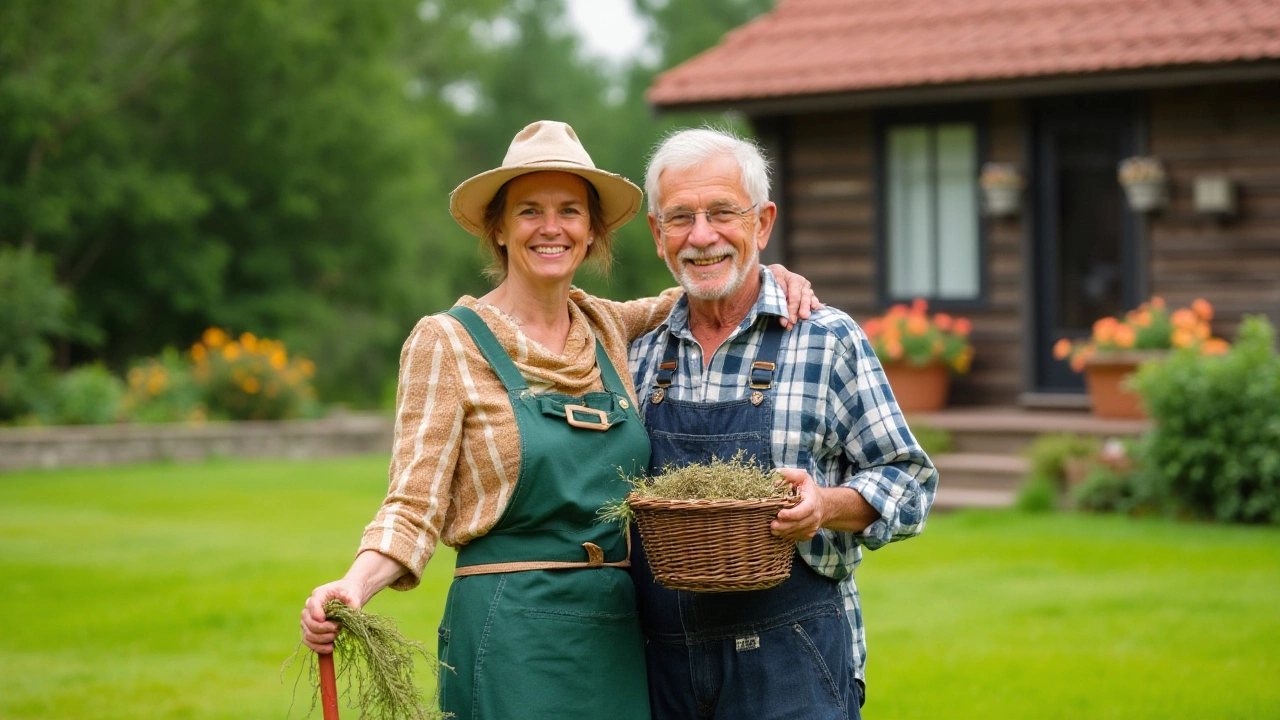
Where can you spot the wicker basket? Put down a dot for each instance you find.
(714, 545)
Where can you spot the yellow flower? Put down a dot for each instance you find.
(249, 341)
(250, 385)
(963, 360)
(198, 353)
(279, 359)
(231, 352)
(307, 367)
(157, 383)
(214, 337)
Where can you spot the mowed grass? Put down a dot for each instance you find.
(173, 591)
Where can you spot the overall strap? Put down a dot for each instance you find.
(667, 368)
(608, 373)
(490, 348)
(761, 376)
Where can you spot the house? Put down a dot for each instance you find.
(880, 115)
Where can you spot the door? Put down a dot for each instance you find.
(1085, 252)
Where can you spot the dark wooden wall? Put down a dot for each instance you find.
(827, 200)
(1231, 130)
(825, 172)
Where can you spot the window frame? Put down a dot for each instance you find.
(972, 114)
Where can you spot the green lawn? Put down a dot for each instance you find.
(173, 591)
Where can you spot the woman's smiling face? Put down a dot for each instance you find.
(546, 227)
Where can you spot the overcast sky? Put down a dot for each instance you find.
(610, 28)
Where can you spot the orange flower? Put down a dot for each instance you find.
(1202, 309)
(919, 306)
(231, 352)
(1125, 336)
(1184, 319)
(943, 321)
(897, 310)
(963, 327)
(249, 342)
(198, 353)
(1215, 346)
(1182, 338)
(918, 325)
(894, 348)
(872, 328)
(1105, 329)
(1141, 319)
(1077, 363)
(1157, 303)
(1061, 349)
(279, 359)
(1201, 331)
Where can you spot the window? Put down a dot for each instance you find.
(930, 211)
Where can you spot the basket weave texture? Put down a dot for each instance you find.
(714, 545)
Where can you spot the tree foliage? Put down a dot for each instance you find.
(283, 166)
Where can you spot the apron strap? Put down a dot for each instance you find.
(608, 373)
(489, 346)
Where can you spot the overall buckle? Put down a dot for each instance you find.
(601, 422)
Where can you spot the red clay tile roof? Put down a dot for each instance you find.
(813, 47)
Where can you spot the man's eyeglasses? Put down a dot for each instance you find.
(723, 217)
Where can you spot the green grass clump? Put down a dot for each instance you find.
(738, 478)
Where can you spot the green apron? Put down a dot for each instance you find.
(560, 643)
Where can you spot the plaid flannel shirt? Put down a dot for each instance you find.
(831, 404)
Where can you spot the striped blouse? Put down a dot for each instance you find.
(456, 454)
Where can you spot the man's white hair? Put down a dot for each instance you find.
(689, 148)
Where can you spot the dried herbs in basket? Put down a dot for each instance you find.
(706, 527)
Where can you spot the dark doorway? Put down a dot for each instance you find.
(1085, 256)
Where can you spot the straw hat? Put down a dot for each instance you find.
(546, 145)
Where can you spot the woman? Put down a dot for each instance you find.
(515, 419)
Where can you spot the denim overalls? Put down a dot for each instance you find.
(784, 652)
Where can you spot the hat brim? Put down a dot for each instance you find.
(619, 197)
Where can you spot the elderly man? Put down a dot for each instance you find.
(722, 375)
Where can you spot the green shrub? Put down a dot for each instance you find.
(1049, 455)
(933, 440)
(1038, 494)
(251, 378)
(87, 395)
(34, 310)
(1216, 444)
(1107, 490)
(163, 389)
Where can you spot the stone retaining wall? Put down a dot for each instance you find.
(55, 447)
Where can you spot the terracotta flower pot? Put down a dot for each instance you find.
(1105, 376)
(919, 389)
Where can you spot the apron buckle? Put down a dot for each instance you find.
(601, 422)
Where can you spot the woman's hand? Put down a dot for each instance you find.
(317, 632)
(370, 572)
(800, 298)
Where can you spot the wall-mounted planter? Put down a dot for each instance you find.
(1001, 185)
(1146, 195)
(1144, 182)
(1000, 201)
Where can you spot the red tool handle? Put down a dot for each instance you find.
(328, 687)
